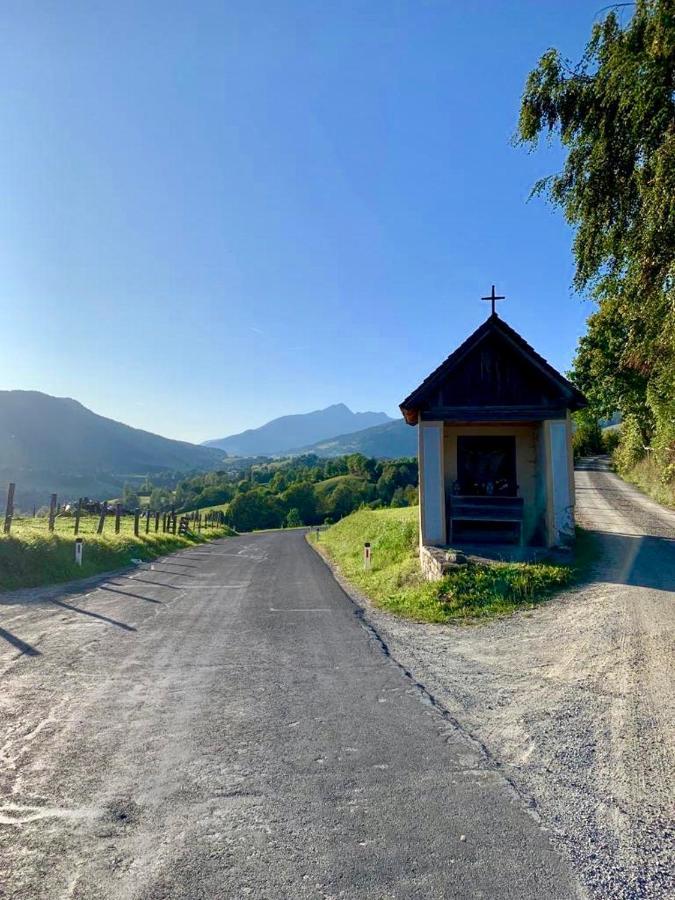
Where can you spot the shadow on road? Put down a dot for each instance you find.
(94, 615)
(20, 645)
(107, 587)
(593, 464)
(135, 579)
(639, 560)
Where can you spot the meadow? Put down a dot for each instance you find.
(31, 555)
(395, 582)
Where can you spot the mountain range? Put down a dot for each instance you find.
(288, 433)
(54, 444)
(388, 441)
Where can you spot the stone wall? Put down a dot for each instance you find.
(436, 562)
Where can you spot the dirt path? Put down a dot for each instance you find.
(575, 699)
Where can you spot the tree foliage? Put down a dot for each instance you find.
(614, 113)
(305, 490)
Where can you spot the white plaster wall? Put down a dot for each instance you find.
(432, 493)
(563, 500)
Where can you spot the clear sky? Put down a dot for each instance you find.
(214, 213)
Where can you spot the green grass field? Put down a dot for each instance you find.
(649, 476)
(30, 556)
(395, 582)
(219, 507)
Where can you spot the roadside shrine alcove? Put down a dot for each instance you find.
(494, 448)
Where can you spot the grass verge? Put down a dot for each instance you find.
(395, 582)
(648, 476)
(30, 558)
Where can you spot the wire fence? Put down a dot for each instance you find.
(90, 517)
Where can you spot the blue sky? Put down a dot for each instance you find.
(216, 213)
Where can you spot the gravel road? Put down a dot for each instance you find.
(575, 699)
(223, 724)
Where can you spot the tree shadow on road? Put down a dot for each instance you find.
(94, 615)
(20, 645)
(107, 587)
(639, 560)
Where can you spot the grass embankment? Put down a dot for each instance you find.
(648, 476)
(395, 582)
(219, 507)
(32, 557)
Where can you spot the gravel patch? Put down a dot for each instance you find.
(574, 699)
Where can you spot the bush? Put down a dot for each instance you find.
(630, 449)
(293, 519)
(255, 509)
(610, 439)
(587, 436)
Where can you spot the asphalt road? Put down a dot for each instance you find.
(222, 724)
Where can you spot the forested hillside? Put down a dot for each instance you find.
(614, 113)
(55, 444)
(304, 490)
(388, 441)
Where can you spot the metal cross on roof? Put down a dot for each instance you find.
(493, 297)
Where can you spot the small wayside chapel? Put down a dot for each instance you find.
(495, 451)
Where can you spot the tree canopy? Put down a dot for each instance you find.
(614, 114)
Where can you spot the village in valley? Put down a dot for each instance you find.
(423, 650)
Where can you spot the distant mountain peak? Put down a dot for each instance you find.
(288, 432)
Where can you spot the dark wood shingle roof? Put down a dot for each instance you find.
(495, 374)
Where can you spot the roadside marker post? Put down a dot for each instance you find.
(9, 508)
(367, 556)
(79, 542)
(52, 511)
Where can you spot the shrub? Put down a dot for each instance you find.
(610, 439)
(293, 519)
(630, 449)
(587, 436)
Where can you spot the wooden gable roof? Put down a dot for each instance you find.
(495, 375)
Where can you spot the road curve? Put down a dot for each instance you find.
(223, 724)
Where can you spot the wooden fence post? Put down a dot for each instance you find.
(156, 522)
(78, 513)
(137, 517)
(147, 521)
(9, 509)
(173, 516)
(118, 513)
(52, 511)
(101, 520)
